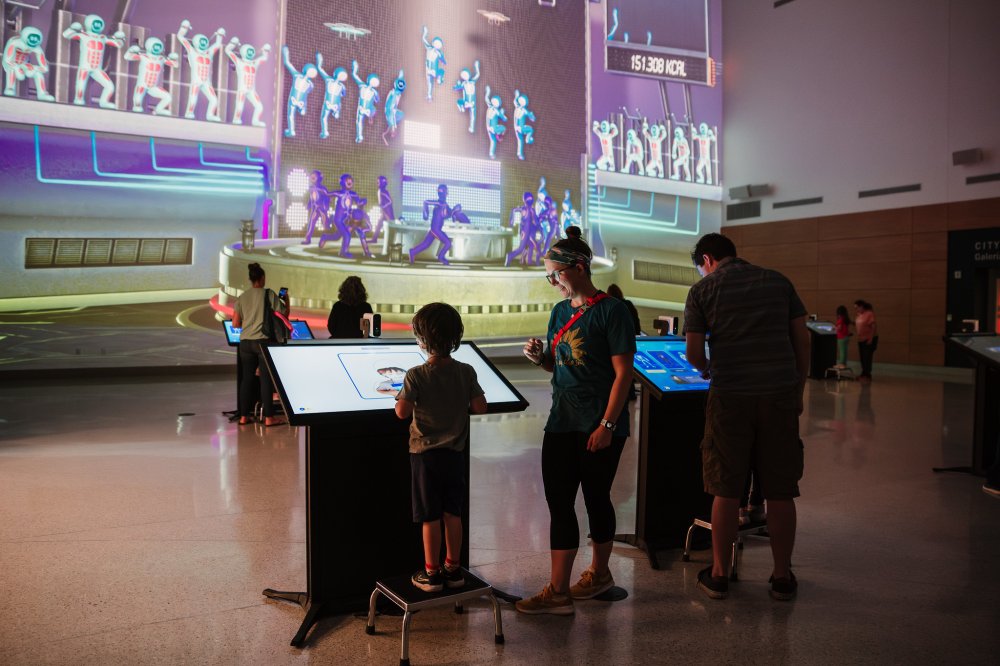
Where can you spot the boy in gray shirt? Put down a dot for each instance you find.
(439, 394)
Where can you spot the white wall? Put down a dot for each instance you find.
(831, 97)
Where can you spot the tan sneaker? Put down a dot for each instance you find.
(590, 585)
(547, 601)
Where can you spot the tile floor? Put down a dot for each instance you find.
(134, 533)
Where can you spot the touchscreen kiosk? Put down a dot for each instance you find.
(661, 363)
(822, 347)
(822, 327)
(329, 381)
(300, 331)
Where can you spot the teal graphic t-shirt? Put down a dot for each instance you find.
(583, 375)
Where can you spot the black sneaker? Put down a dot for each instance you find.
(428, 582)
(454, 578)
(716, 587)
(783, 589)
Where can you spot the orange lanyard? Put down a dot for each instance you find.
(591, 302)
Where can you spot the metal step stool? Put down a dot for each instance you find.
(401, 591)
(754, 529)
(839, 373)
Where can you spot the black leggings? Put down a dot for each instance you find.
(252, 359)
(566, 465)
(866, 350)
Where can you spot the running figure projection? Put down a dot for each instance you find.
(336, 86)
(495, 115)
(529, 247)
(247, 63)
(349, 217)
(680, 153)
(434, 62)
(302, 85)
(318, 207)
(385, 207)
(367, 99)
(467, 99)
(524, 132)
(569, 216)
(151, 65)
(606, 133)
(91, 63)
(393, 114)
(440, 214)
(703, 138)
(200, 54)
(655, 135)
(17, 63)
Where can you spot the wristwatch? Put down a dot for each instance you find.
(610, 425)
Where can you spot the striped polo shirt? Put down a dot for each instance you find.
(745, 311)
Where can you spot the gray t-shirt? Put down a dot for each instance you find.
(441, 395)
(250, 307)
(746, 310)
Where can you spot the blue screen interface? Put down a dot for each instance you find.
(663, 362)
(300, 331)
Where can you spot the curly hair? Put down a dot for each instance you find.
(352, 291)
(439, 327)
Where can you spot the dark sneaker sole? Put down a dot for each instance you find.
(593, 593)
(713, 594)
(782, 596)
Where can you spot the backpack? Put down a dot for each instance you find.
(276, 326)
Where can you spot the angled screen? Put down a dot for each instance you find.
(300, 331)
(339, 379)
(661, 362)
(822, 327)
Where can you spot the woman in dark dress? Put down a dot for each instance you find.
(351, 306)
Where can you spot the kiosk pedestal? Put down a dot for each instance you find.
(984, 351)
(822, 348)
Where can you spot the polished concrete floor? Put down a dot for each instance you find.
(140, 526)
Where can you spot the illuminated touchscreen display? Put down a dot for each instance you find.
(300, 331)
(342, 378)
(662, 362)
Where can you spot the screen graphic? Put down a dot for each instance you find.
(300, 331)
(663, 363)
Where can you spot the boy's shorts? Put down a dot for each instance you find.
(437, 480)
(759, 432)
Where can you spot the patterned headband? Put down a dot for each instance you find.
(564, 256)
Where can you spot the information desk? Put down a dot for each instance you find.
(359, 524)
(822, 347)
(669, 490)
(984, 351)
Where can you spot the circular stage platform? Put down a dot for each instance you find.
(494, 301)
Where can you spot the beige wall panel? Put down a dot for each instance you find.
(887, 302)
(735, 234)
(931, 246)
(863, 278)
(927, 354)
(928, 274)
(778, 256)
(803, 277)
(926, 327)
(865, 250)
(928, 303)
(893, 222)
(772, 233)
(930, 218)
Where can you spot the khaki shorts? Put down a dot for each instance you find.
(758, 432)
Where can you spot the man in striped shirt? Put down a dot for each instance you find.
(758, 361)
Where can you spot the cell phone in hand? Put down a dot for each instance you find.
(283, 293)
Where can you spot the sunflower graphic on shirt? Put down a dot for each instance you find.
(573, 354)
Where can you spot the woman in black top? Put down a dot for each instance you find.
(345, 316)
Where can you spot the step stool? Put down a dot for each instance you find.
(401, 591)
(754, 529)
(839, 373)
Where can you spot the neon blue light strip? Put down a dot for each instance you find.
(125, 186)
(160, 179)
(254, 159)
(231, 174)
(201, 158)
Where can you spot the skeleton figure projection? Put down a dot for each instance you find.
(606, 132)
(336, 86)
(680, 153)
(17, 63)
(434, 62)
(318, 206)
(703, 138)
(569, 217)
(393, 115)
(385, 206)
(349, 217)
(549, 222)
(200, 54)
(247, 62)
(441, 212)
(467, 99)
(91, 63)
(634, 153)
(524, 132)
(655, 135)
(543, 192)
(529, 245)
(301, 86)
(151, 65)
(367, 99)
(495, 114)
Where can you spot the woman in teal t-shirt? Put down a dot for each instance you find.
(589, 351)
